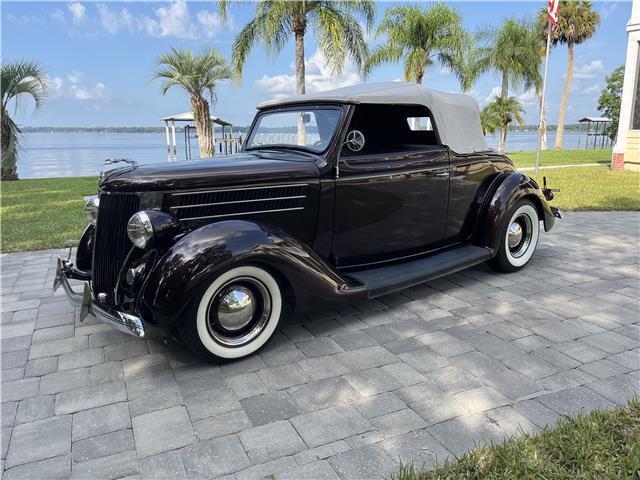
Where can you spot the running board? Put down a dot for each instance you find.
(384, 280)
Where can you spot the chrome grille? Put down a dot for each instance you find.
(111, 241)
(237, 201)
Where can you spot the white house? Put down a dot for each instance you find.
(626, 152)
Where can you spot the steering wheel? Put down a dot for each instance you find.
(355, 140)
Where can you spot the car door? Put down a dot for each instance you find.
(390, 205)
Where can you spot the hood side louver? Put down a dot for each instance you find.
(210, 204)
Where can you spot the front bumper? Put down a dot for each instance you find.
(121, 321)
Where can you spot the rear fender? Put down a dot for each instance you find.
(510, 190)
(210, 250)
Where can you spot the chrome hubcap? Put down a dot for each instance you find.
(236, 308)
(238, 312)
(519, 235)
(515, 234)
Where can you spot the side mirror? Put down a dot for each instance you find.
(355, 140)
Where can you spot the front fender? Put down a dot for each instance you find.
(207, 251)
(511, 189)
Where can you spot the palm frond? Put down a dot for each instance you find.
(197, 74)
(424, 36)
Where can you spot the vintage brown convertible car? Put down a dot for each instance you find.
(339, 196)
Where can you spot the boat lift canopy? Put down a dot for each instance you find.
(188, 118)
(598, 122)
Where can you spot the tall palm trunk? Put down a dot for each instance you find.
(202, 119)
(9, 168)
(504, 94)
(543, 122)
(503, 138)
(299, 28)
(565, 96)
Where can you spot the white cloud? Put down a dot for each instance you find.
(495, 91)
(445, 71)
(78, 12)
(528, 98)
(75, 76)
(112, 21)
(318, 78)
(58, 16)
(591, 90)
(54, 87)
(172, 21)
(210, 22)
(591, 70)
(73, 89)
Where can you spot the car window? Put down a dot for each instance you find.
(310, 129)
(420, 124)
(391, 129)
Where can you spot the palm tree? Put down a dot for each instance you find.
(498, 114)
(18, 79)
(577, 22)
(513, 51)
(421, 36)
(198, 75)
(335, 24)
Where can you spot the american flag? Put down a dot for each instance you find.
(552, 12)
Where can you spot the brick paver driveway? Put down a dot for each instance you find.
(346, 393)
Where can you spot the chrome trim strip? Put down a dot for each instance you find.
(194, 192)
(237, 201)
(243, 213)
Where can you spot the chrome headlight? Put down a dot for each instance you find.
(91, 209)
(140, 229)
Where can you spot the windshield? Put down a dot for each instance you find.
(311, 129)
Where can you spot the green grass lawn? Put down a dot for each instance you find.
(561, 157)
(43, 213)
(48, 213)
(592, 188)
(602, 445)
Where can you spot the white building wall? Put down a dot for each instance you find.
(630, 78)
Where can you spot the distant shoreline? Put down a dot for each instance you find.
(528, 128)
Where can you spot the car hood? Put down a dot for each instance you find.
(247, 168)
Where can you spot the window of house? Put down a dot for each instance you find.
(393, 129)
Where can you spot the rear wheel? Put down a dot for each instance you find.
(518, 239)
(235, 315)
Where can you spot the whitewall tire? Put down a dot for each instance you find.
(519, 238)
(235, 315)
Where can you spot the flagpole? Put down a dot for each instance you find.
(544, 91)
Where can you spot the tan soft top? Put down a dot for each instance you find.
(457, 117)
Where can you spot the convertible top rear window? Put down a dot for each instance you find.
(393, 128)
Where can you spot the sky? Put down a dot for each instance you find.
(99, 57)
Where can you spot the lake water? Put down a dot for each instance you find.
(79, 154)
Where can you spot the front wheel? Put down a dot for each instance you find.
(235, 315)
(519, 238)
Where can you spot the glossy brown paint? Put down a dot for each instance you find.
(473, 178)
(511, 188)
(359, 214)
(214, 248)
(389, 205)
(242, 169)
(84, 253)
